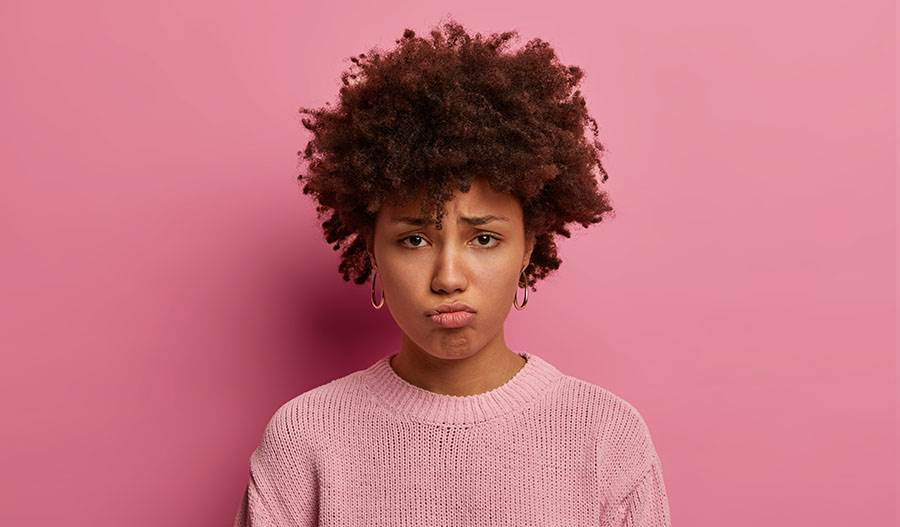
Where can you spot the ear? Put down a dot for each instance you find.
(529, 247)
(370, 245)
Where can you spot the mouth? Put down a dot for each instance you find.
(453, 319)
(450, 307)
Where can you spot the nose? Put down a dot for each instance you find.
(449, 275)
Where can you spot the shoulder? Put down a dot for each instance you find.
(621, 433)
(608, 407)
(314, 401)
(622, 446)
(305, 421)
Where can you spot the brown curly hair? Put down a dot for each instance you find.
(430, 115)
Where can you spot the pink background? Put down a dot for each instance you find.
(165, 286)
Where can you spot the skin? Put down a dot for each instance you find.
(421, 267)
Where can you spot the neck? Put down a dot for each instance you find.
(469, 374)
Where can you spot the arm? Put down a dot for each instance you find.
(629, 477)
(282, 490)
(646, 505)
(254, 512)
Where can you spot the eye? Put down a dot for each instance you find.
(489, 237)
(416, 241)
(416, 236)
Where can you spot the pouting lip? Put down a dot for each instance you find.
(448, 308)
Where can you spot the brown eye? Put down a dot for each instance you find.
(417, 237)
(487, 238)
(415, 241)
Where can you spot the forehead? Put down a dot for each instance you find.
(480, 200)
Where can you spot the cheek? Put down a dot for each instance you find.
(403, 288)
(497, 277)
(403, 281)
(495, 295)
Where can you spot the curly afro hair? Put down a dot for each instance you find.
(425, 118)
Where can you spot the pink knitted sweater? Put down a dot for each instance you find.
(370, 449)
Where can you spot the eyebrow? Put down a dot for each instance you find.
(473, 220)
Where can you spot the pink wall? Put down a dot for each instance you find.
(165, 286)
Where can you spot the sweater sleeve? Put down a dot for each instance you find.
(282, 489)
(254, 512)
(629, 470)
(647, 504)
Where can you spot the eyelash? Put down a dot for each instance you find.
(478, 236)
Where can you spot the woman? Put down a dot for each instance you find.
(446, 170)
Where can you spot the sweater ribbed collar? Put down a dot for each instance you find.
(418, 404)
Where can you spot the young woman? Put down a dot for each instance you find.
(446, 170)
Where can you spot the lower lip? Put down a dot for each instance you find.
(455, 319)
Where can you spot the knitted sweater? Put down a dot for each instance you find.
(370, 449)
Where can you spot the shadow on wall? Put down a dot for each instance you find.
(328, 326)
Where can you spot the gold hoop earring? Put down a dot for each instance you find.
(521, 306)
(381, 303)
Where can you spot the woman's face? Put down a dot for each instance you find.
(474, 261)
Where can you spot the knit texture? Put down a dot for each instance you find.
(370, 449)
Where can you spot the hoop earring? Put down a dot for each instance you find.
(521, 306)
(381, 303)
